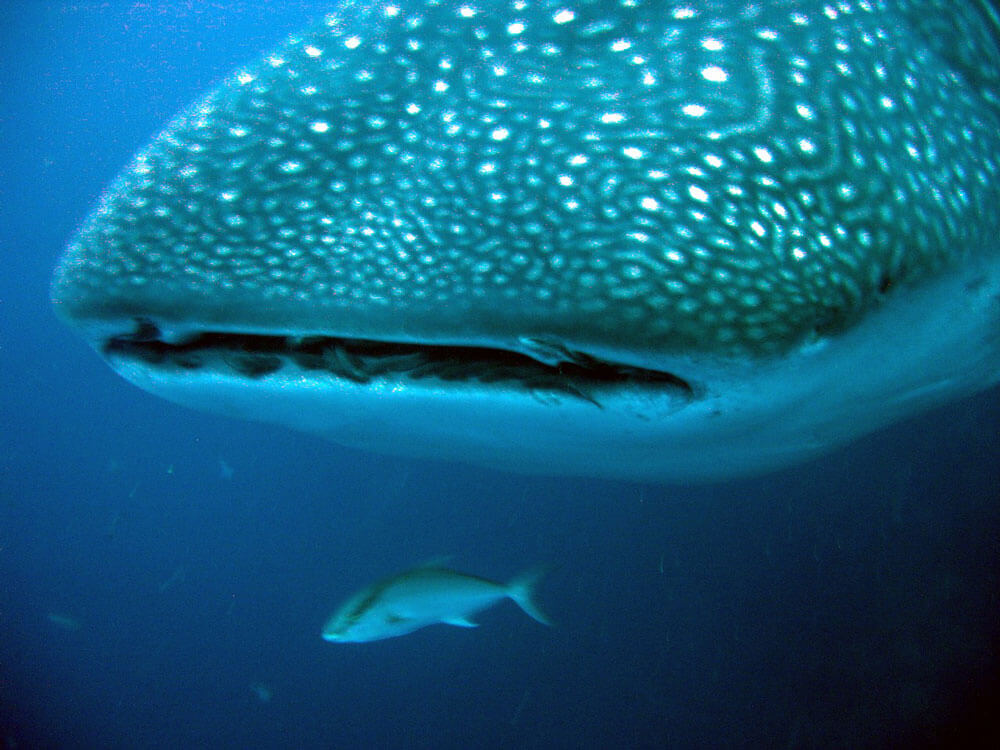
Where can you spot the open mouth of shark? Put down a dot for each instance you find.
(569, 373)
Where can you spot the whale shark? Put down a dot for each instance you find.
(664, 241)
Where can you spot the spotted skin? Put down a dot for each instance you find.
(657, 177)
(646, 182)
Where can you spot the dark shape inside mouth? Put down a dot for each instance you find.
(361, 360)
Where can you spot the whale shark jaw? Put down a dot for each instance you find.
(693, 243)
(694, 420)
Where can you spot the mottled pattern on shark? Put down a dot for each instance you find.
(652, 192)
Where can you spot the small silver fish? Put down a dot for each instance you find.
(426, 595)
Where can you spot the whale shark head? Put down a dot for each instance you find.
(637, 239)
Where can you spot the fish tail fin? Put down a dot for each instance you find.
(522, 591)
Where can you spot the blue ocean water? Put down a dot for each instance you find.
(164, 574)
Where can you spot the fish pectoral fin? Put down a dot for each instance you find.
(462, 622)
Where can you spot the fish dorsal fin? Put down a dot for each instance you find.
(461, 622)
(435, 562)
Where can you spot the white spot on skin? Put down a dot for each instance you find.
(633, 271)
(694, 110)
(715, 74)
(698, 194)
(319, 126)
(564, 16)
(763, 154)
(316, 51)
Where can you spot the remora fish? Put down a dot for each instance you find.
(637, 239)
(426, 595)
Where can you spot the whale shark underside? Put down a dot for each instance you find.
(663, 241)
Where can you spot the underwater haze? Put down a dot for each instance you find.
(165, 574)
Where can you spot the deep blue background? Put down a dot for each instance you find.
(849, 601)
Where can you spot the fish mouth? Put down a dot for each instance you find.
(555, 369)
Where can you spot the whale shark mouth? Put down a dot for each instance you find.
(362, 361)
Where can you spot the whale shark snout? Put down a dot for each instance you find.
(613, 239)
